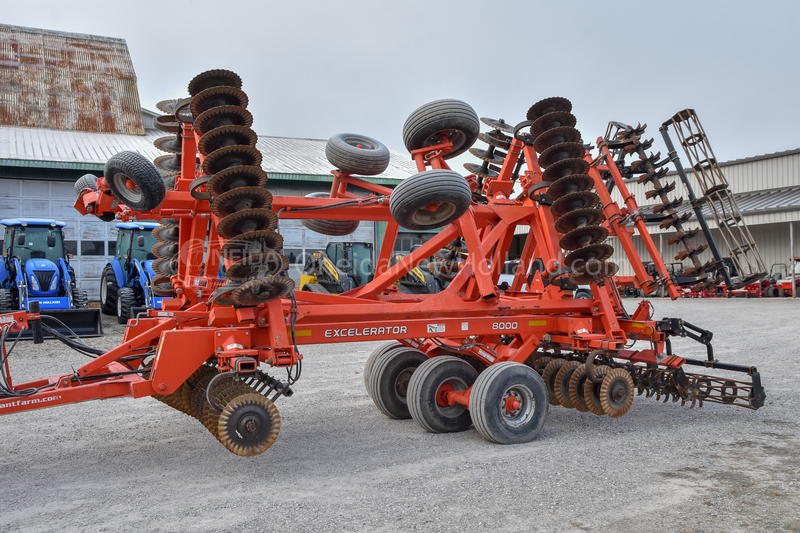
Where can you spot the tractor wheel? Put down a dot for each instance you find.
(357, 154)
(429, 124)
(376, 353)
(509, 403)
(334, 228)
(135, 181)
(108, 291)
(87, 181)
(126, 300)
(6, 301)
(389, 377)
(80, 298)
(431, 199)
(426, 394)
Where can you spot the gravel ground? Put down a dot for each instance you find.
(339, 465)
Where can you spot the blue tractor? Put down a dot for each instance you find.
(35, 266)
(129, 283)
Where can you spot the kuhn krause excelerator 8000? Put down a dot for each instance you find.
(474, 353)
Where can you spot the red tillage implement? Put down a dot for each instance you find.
(472, 353)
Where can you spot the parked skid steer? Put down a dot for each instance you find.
(35, 267)
(476, 353)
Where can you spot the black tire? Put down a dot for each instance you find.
(426, 383)
(87, 181)
(149, 191)
(487, 403)
(6, 301)
(80, 299)
(334, 228)
(316, 288)
(376, 353)
(446, 188)
(389, 377)
(126, 300)
(169, 182)
(455, 118)
(582, 294)
(357, 154)
(108, 291)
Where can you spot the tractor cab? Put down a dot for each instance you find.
(135, 243)
(35, 267)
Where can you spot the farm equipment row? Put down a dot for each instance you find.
(463, 351)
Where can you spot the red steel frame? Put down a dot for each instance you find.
(471, 313)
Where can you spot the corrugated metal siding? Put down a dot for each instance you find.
(284, 158)
(67, 81)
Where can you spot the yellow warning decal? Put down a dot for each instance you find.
(537, 322)
(637, 325)
(302, 333)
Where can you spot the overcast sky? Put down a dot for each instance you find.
(315, 68)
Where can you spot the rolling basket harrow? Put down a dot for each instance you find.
(474, 354)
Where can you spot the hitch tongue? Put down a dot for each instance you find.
(35, 323)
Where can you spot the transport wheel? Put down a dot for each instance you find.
(591, 391)
(561, 384)
(80, 298)
(249, 424)
(126, 300)
(616, 392)
(576, 383)
(108, 291)
(357, 154)
(449, 120)
(6, 301)
(135, 181)
(549, 376)
(389, 377)
(334, 228)
(431, 199)
(376, 353)
(427, 388)
(87, 181)
(509, 403)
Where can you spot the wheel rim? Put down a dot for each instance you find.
(401, 383)
(360, 142)
(121, 184)
(119, 306)
(517, 405)
(104, 291)
(457, 137)
(441, 405)
(443, 212)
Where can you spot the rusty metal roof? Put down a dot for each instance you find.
(67, 81)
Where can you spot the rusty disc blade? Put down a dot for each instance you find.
(262, 290)
(565, 167)
(170, 143)
(593, 272)
(258, 266)
(167, 124)
(165, 268)
(226, 136)
(217, 97)
(214, 78)
(252, 243)
(569, 184)
(162, 286)
(228, 115)
(498, 124)
(496, 139)
(552, 137)
(168, 106)
(596, 252)
(573, 202)
(241, 198)
(165, 250)
(578, 218)
(169, 162)
(496, 158)
(553, 120)
(231, 156)
(548, 105)
(166, 234)
(584, 236)
(235, 177)
(490, 171)
(246, 221)
(561, 152)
